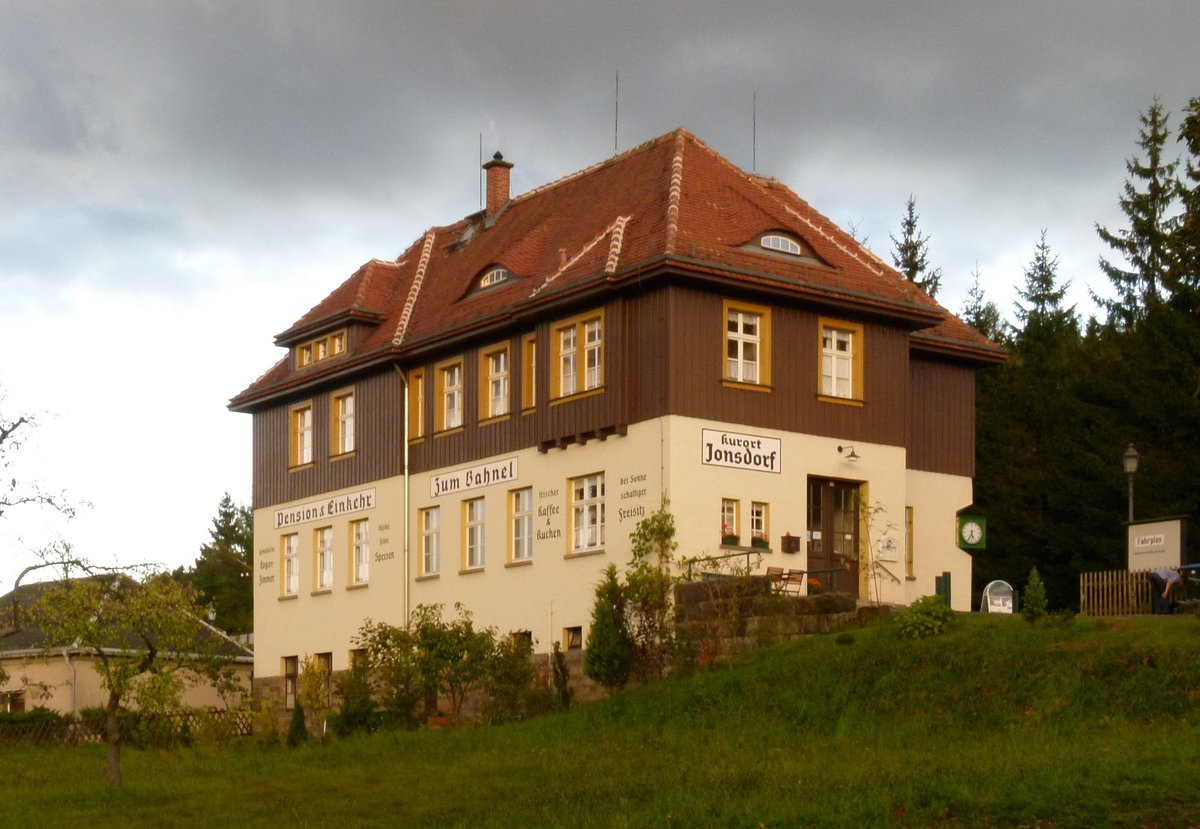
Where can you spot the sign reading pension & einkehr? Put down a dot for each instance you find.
(363, 499)
(739, 451)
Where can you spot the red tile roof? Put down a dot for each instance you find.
(672, 202)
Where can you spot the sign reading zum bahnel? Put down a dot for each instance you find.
(738, 451)
(473, 477)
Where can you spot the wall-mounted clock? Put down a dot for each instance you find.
(972, 532)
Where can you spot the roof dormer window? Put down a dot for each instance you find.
(321, 348)
(493, 276)
(780, 243)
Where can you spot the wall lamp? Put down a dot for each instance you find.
(849, 452)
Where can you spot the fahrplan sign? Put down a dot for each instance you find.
(737, 451)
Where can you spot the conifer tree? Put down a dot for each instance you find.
(982, 314)
(911, 253)
(1146, 200)
(222, 574)
(608, 655)
(1184, 271)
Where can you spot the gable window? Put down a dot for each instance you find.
(841, 360)
(528, 372)
(416, 404)
(587, 513)
(323, 539)
(575, 372)
(289, 547)
(301, 435)
(431, 525)
(320, 348)
(521, 517)
(783, 244)
(494, 390)
(493, 276)
(473, 552)
(343, 423)
(747, 343)
(450, 396)
(362, 551)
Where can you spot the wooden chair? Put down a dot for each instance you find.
(793, 582)
(778, 579)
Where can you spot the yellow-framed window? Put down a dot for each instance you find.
(300, 434)
(842, 347)
(429, 521)
(289, 564)
(342, 422)
(528, 372)
(449, 395)
(577, 355)
(731, 509)
(360, 545)
(416, 404)
(747, 344)
(520, 522)
(494, 385)
(323, 558)
(473, 530)
(760, 520)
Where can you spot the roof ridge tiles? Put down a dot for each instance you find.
(619, 221)
(414, 289)
(591, 168)
(675, 193)
(614, 247)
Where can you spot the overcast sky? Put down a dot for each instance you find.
(180, 181)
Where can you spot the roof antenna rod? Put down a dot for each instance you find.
(754, 134)
(481, 171)
(616, 109)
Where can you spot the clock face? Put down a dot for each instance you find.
(972, 533)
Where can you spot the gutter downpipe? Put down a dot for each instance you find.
(407, 579)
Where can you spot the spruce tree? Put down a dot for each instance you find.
(980, 313)
(1184, 271)
(608, 656)
(1146, 200)
(911, 253)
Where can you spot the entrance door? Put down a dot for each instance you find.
(833, 533)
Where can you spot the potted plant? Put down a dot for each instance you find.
(728, 538)
(759, 542)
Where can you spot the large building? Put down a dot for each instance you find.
(485, 419)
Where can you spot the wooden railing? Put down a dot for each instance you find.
(1114, 593)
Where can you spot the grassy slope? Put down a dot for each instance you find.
(996, 724)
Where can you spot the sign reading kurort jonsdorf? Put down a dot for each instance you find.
(739, 451)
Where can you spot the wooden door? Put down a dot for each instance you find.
(833, 533)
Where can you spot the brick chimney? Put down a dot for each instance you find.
(497, 184)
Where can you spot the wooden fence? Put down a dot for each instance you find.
(157, 730)
(1114, 593)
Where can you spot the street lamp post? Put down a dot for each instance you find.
(1131, 466)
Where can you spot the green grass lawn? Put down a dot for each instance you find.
(998, 723)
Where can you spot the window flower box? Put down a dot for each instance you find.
(760, 543)
(730, 540)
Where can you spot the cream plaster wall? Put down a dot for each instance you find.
(655, 460)
(74, 687)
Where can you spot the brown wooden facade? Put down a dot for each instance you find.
(663, 355)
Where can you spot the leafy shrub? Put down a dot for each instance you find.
(357, 711)
(927, 616)
(562, 680)
(509, 680)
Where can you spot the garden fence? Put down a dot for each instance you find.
(1114, 593)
